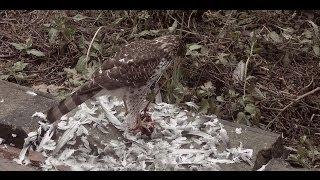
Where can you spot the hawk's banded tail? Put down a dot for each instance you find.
(86, 92)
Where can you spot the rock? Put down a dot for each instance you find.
(279, 164)
(262, 142)
(265, 145)
(7, 165)
(63, 168)
(16, 109)
(11, 153)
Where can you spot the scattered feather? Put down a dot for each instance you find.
(23, 160)
(180, 141)
(193, 105)
(263, 167)
(238, 130)
(40, 115)
(31, 93)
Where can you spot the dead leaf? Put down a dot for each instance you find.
(238, 73)
(275, 37)
(286, 60)
(316, 50)
(315, 28)
(45, 88)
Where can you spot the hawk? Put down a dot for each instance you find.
(128, 75)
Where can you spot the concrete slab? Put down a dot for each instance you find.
(16, 109)
(7, 165)
(266, 145)
(277, 164)
(8, 153)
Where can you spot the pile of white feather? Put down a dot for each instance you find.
(181, 141)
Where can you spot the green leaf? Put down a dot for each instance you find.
(220, 99)
(307, 34)
(194, 47)
(316, 50)
(47, 25)
(96, 46)
(232, 93)
(19, 46)
(275, 37)
(93, 54)
(258, 94)
(143, 15)
(76, 82)
(204, 106)
(134, 31)
(70, 32)
(222, 59)
(78, 17)
(53, 35)
(239, 72)
(315, 28)
(4, 77)
(207, 86)
(28, 43)
(20, 76)
(286, 60)
(204, 51)
(174, 26)
(206, 89)
(254, 112)
(251, 109)
(286, 36)
(81, 65)
(35, 53)
(69, 71)
(19, 66)
(62, 94)
(241, 118)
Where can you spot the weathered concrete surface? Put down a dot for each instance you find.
(16, 109)
(7, 165)
(278, 164)
(265, 145)
(8, 153)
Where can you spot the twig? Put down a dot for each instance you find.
(224, 26)
(246, 69)
(189, 19)
(308, 85)
(300, 97)
(290, 104)
(182, 24)
(7, 55)
(92, 40)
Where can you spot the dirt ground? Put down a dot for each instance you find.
(260, 68)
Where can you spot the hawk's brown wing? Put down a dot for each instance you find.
(132, 66)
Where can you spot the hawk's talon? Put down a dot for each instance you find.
(144, 124)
